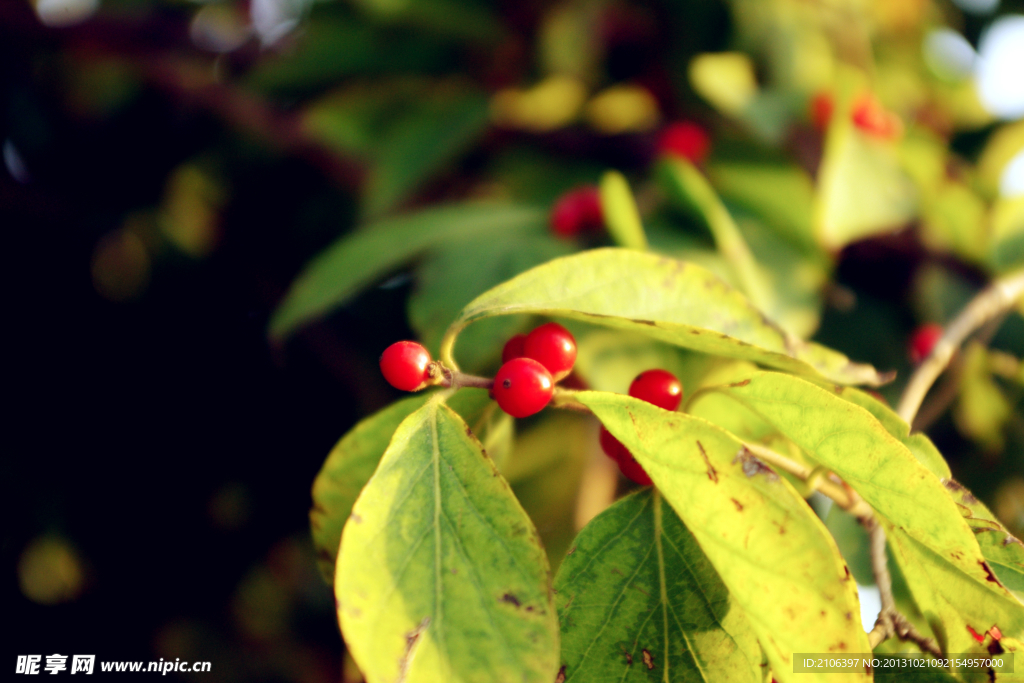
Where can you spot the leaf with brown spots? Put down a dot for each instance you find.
(353, 460)
(434, 583)
(638, 584)
(662, 298)
(782, 582)
(935, 546)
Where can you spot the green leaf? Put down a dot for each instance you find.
(545, 471)
(934, 545)
(637, 596)
(432, 133)
(1003, 551)
(1007, 244)
(862, 189)
(919, 444)
(441, 576)
(689, 187)
(778, 561)
(673, 301)
(621, 215)
(451, 277)
(357, 259)
(354, 459)
(781, 195)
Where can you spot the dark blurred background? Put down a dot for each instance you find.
(161, 189)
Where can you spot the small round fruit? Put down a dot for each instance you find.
(869, 116)
(685, 139)
(523, 387)
(923, 341)
(611, 446)
(659, 387)
(513, 348)
(632, 470)
(552, 346)
(577, 211)
(404, 365)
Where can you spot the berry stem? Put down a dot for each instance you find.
(446, 377)
(989, 304)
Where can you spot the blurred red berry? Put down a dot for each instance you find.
(611, 446)
(404, 365)
(577, 211)
(685, 139)
(523, 387)
(923, 341)
(513, 348)
(632, 470)
(658, 387)
(821, 108)
(552, 346)
(873, 119)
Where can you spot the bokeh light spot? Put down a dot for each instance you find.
(50, 571)
(998, 75)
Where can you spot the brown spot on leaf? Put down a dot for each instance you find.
(629, 657)
(511, 599)
(616, 571)
(969, 499)
(847, 570)
(648, 659)
(849, 616)
(952, 485)
(740, 384)
(560, 678)
(712, 472)
(651, 323)
(695, 332)
(989, 576)
(571, 551)
(411, 639)
(739, 505)
(356, 518)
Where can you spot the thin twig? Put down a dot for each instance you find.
(890, 621)
(844, 497)
(990, 303)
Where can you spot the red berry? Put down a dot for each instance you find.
(404, 365)
(523, 387)
(923, 341)
(513, 348)
(685, 139)
(822, 106)
(552, 346)
(872, 118)
(632, 470)
(659, 387)
(628, 465)
(576, 211)
(611, 446)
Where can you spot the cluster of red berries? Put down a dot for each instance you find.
(531, 366)
(657, 387)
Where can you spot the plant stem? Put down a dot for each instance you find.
(990, 303)
(843, 496)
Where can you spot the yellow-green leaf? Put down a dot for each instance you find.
(637, 599)
(621, 215)
(354, 458)
(673, 301)
(937, 551)
(778, 561)
(441, 575)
